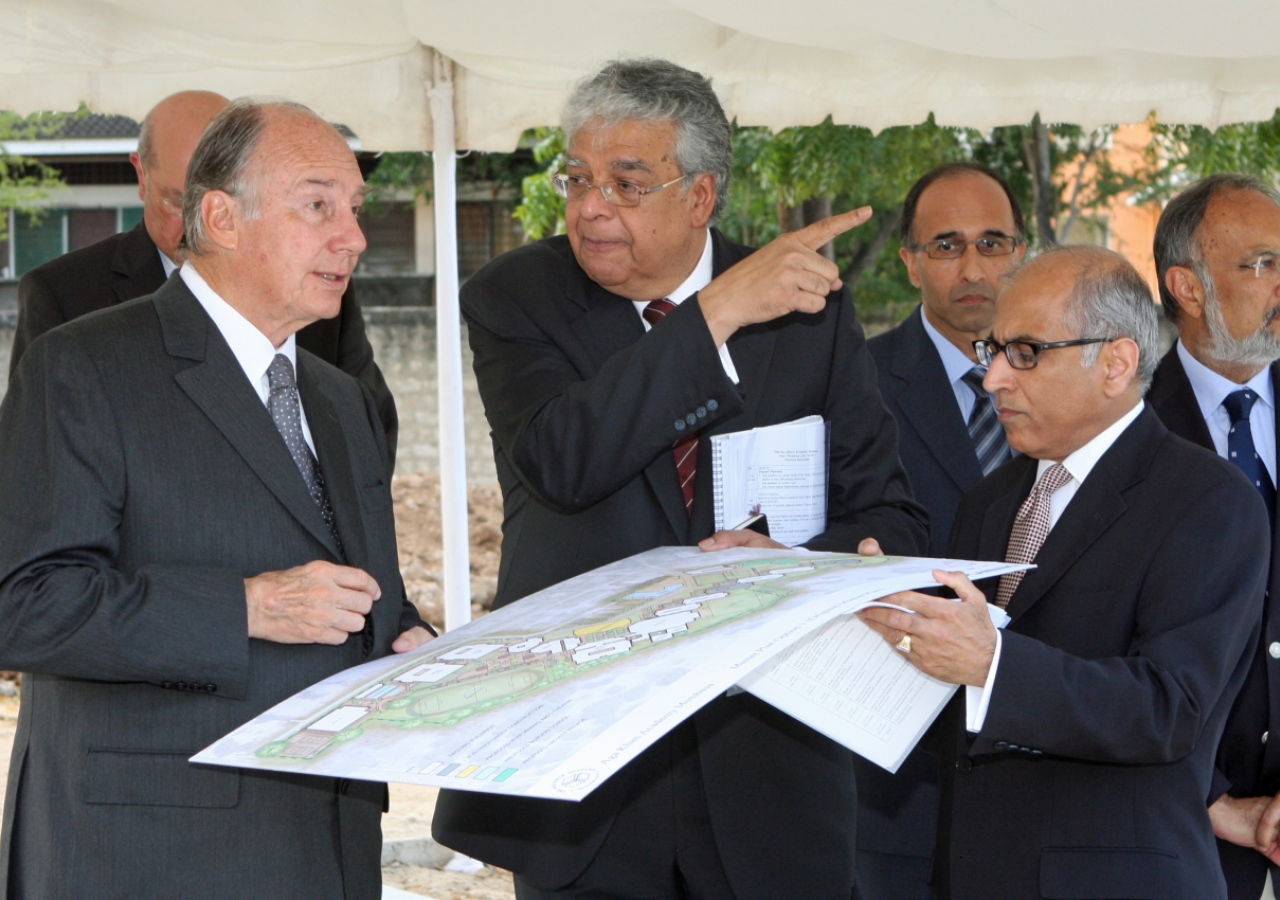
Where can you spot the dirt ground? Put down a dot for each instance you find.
(417, 508)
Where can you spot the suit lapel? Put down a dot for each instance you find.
(929, 404)
(331, 453)
(1098, 503)
(1174, 400)
(216, 384)
(138, 262)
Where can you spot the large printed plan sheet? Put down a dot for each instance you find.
(551, 695)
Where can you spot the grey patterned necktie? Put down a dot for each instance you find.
(984, 427)
(1030, 529)
(287, 413)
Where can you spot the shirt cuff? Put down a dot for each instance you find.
(978, 698)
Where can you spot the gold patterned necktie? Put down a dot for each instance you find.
(1030, 528)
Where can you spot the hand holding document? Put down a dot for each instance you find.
(779, 471)
(550, 696)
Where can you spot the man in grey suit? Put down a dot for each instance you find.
(189, 534)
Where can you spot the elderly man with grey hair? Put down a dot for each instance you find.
(1217, 251)
(195, 524)
(606, 359)
(1077, 757)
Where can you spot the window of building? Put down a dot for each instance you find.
(390, 236)
(485, 230)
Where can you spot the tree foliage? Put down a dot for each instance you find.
(24, 182)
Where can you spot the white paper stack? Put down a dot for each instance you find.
(778, 470)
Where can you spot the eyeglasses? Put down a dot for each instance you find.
(1265, 264)
(1025, 354)
(616, 193)
(950, 248)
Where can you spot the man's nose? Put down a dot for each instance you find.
(999, 374)
(971, 268)
(349, 237)
(594, 205)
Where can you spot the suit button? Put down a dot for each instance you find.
(1264, 736)
(1274, 649)
(210, 688)
(712, 405)
(964, 764)
(168, 685)
(182, 685)
(680, 427)
(691, 419)
(701, 412)
(1001, 745)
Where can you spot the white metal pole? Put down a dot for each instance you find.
(453, 445)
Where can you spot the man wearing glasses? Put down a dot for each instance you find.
(606, 358)
(138, 261)
(1217, 252)
(961, 233)
(1078, 756)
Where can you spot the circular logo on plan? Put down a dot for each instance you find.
(572, 782)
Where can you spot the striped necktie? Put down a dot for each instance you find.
(1030, 529)
(984, 426)
(685, 450)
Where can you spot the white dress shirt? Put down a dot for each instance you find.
(169, 265)
(956, 364)
(251, 347)
(1079, 464)
(699, 278)
(1211, 389)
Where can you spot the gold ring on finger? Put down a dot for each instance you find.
(905, 644)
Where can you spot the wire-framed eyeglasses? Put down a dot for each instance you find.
(616, 193)
(1025, 354)
(952, 248)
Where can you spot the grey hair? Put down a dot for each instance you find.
(221, 160)
(654, 90)
(1110, 300)
(1176, 243)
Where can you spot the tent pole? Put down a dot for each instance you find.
(453, 446)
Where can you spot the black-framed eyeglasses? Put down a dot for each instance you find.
(1025, 354)
(951, 248)
(616, 193)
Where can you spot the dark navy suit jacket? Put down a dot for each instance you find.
(897, 813)
(1246, 765)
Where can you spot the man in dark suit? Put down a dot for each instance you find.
(1078, 756)
(600, 429)
(961, 233)
(137, 262)
(1217, 247)
(189, 534)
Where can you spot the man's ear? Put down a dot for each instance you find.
(136, 160)
(1187, 289)
(220, 213)
(1121, 358)
(702, 196)
(909, 257)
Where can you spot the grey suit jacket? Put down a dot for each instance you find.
(141, 480)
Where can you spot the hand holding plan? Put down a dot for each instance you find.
(953, 642)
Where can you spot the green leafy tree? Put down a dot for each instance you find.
(24, 182)
(1180, 154)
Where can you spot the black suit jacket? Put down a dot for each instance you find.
(127, 265)
(897, 814)
(141, 481)
(1248, 765)
(1126, 648)
(584, 406)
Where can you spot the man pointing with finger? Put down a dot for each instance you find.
(606, 360)
(1078, 757)
(195, 524)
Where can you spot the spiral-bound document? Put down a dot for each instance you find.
(778, 470)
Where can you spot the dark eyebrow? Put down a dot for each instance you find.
(990, 232)
(630, 165)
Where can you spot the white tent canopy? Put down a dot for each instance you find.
(865, 62)
(382, 67)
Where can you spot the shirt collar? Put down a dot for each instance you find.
(169, 265)
(699, 278)
(956, 364)
(252, 348)
(1081, 463)
(1211, 388)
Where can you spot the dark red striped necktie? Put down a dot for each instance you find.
(685, 450)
